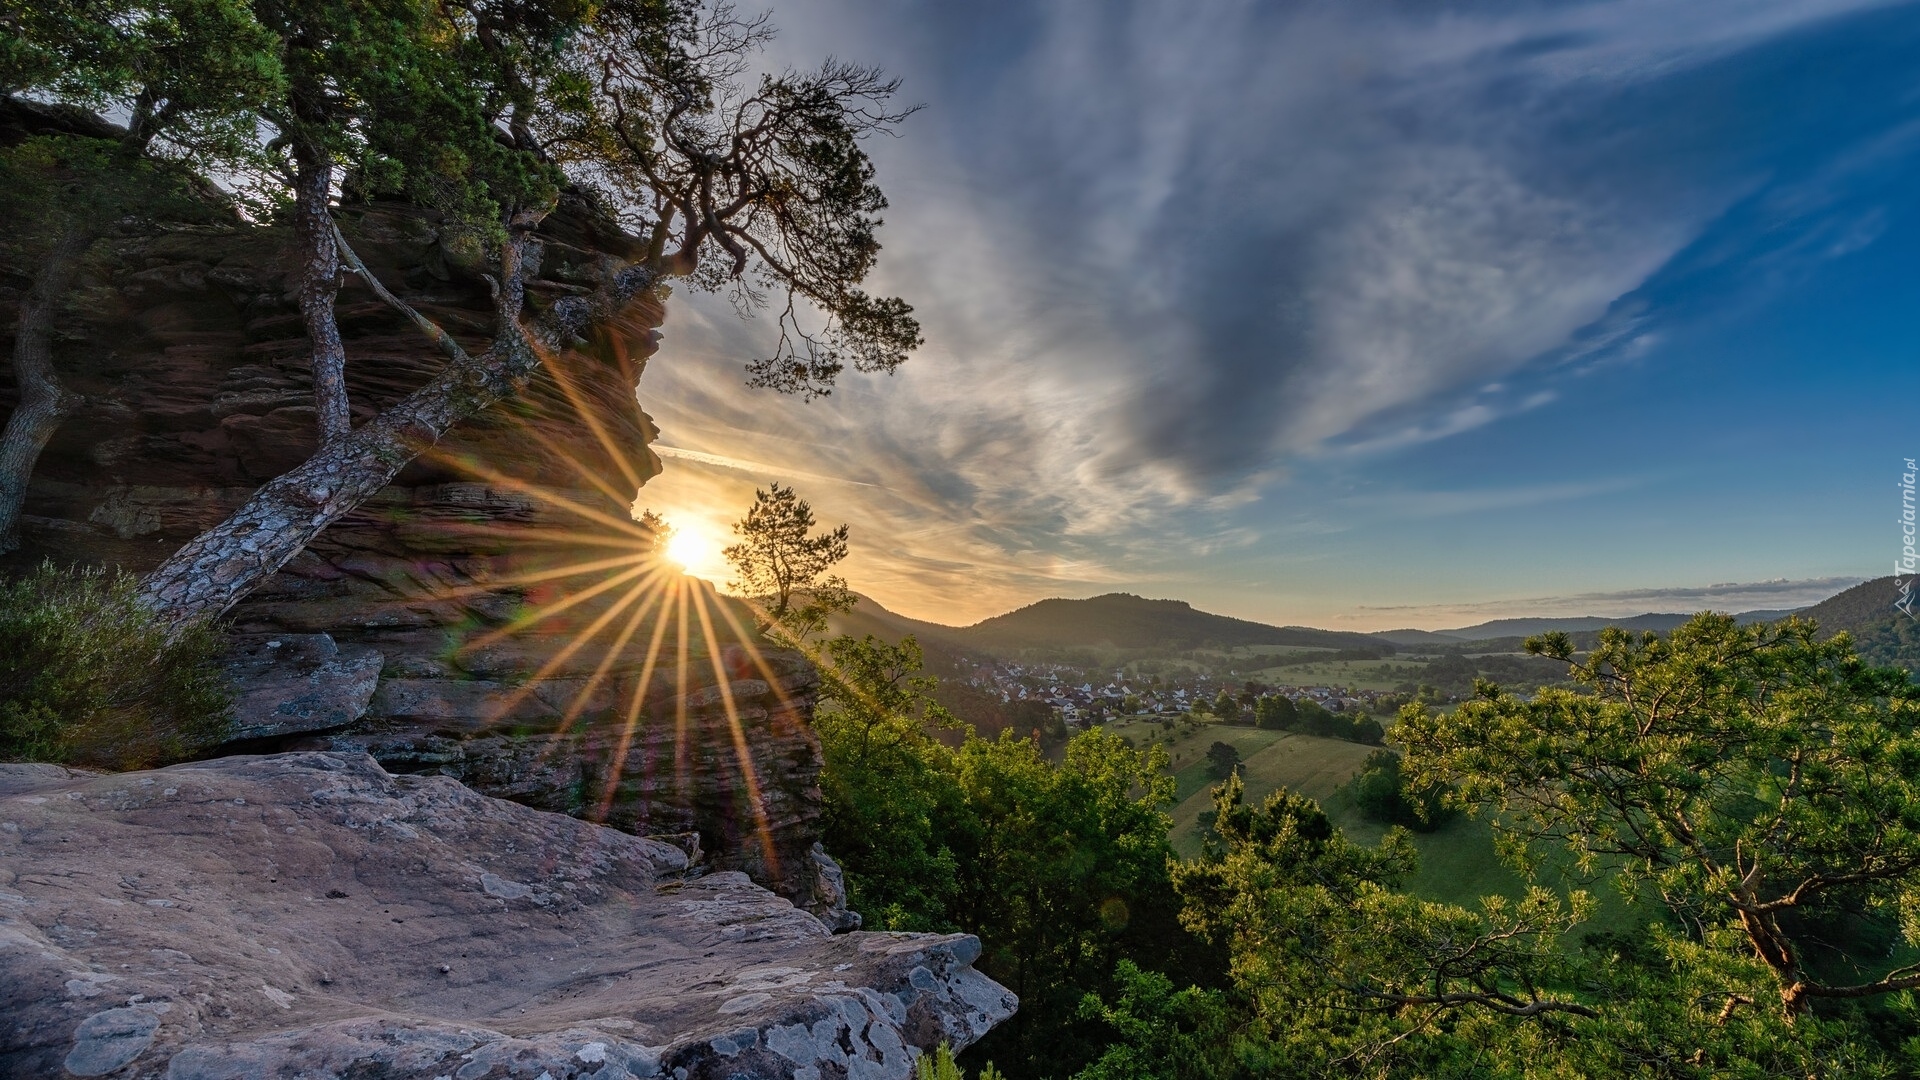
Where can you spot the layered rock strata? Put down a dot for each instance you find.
(387, 634)
(306, 914)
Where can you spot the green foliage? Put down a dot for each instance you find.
(188, 73)
(87, 674)
(1226, 706)
(1222, 759)
(1028, 716)
(1160, 1033)
(1382, 792)
(1365, 729)
(891, 794)
(940, 1065)
(1275, 712)
(1330, 968)
(1061, 869)
(1893, 642)
(185, 75)
(55, 185)
(405, 96)
(1762, 783)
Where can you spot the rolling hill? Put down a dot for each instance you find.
(869, 617)
(1125, 621)
(1882, 633)
(1869, 603)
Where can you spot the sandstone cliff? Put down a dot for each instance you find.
(385, 636)
(308, 915)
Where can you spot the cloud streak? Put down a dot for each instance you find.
(1731, 597)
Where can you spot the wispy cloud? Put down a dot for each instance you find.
(1431, 504)
(1165, 252)
(756, 468)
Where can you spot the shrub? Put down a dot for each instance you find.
(1383, 793)
(89, 675)
(1222, 759)
(1367, 731)
(940, 1065)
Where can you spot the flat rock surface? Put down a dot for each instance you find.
(309, 915)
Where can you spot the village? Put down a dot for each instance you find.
(1082, 703)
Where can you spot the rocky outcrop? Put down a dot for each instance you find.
(300, 683)
(306, 914)
(386, 635)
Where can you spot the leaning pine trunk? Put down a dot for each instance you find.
(44, 402)
(319, 285)
(216, 569)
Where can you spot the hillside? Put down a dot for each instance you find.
(1869, 603)
(1415, 638)
(869, 617)
(1125, 621)
(1881, 632)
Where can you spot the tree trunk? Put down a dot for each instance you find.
(44, 402)
(216, 569)
(319, 284)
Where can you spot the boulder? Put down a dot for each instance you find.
(308, 914)
(297, 683)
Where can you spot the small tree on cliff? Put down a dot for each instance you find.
(783, 564)
(631, 108)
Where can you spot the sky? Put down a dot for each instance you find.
(1359, 315)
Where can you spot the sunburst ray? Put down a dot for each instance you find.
(724, 679)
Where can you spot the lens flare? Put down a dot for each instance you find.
(696, 551)
(625, 634)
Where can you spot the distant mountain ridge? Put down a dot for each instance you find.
(1120, 620)
(1523, 627)
(1126, 621)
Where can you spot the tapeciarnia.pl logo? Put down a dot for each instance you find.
(1904, 568)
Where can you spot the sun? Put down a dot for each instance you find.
(696, 550)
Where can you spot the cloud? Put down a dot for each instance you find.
(757, 468)
(1431, 504)
(1164, 253)
(1734, 597)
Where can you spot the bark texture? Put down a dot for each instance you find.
(44, 401)
(319, 285)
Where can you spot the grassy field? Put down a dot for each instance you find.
(1458, 864)
(1310, 765)
(1187, 744)
(1357, 674)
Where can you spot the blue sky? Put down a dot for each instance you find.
(1359, 314)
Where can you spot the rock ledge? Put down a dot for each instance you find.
(309, 915)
